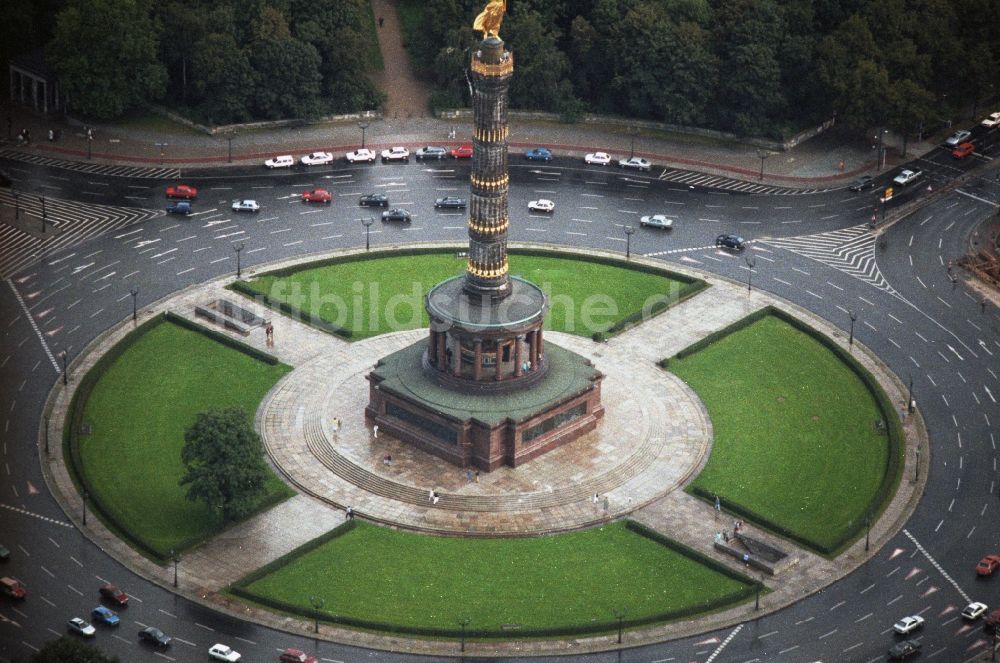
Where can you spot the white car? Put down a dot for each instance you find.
(82, 627)
(906, 176)
(364, 154)
(992, 120)
(246, 206)
(657, 221)
(317, 158)
(284, 161)
(541, 205)
(635, 162)
(223, 653)
(599, 158)
(396, 154)
(974, 610)
(959, 136)
(908, 624)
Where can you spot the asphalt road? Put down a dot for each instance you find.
(810, 248)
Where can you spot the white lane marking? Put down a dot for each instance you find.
(937, 566)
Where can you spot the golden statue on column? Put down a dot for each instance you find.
(489, 20)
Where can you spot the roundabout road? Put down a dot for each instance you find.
(811, 248)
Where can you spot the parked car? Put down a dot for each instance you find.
(285, 161)
(13, 588)
(4, 554)
(105, 616)
(220, 652)
(450, 202)
(541, 205)
(246, 206)
(656, 221)
(182, 191)
(638, 163)
(395, 154)
(374, 200)
(974, 610)
(992, 622)
(734, 242)
(599, 158)
(82, 627)
(862, 183)
(292, 655)
(430, 152)
(396, 214)
(963, 150)
(364, 154)
(959, 136)
(112, 593)
(902, 649)
(317, 158)
(180, 207)
(155, 636)
(908, 624)
(462, 152)
(987, 565)
(317, 196)
(538, 154)
(992, 120)
(906, 177)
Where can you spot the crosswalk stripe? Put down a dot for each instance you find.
(142, 172)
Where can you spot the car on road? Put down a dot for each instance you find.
(395, 154)
(182, 191)
(396, 214)
(246, 206)
(13, 588)
(112, 593)
(221, 652)
(541, 205)
(82, 627)
(656, 221)
(992, 622)
(292, 655)
(906, 176)
(598, 158)
(862, 183)
(4, 554)
(155, 636)
(987, 565)
(728, 241)
(105, 616)
(179, 207)
(959, 136)
(317, 159)
(317, 196)
(974, 610)
(638, 163)
(374, 200)
(991, 120)
(284, 161)
(908, 624)
(538, 154)
(462, 152)
(450, 202)
(963, 150)
(364, 154)
(902, 649)
(430, 152)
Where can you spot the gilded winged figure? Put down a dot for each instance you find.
(489, 20)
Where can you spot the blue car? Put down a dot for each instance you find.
(538, 154)
(180, 207)
(104, 615)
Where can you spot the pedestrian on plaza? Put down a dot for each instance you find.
(430, 495)
(336, 425)
(607, 503)
(477, 476)
(375, 431)
(52, 135)
(718, 507)
(746, 559)
(435, 499)
(381, 20)
(468, 476)
(349, 513)
(596, 498)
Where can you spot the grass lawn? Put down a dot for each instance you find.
(372, 297)
(794, 434)
(373, 56)
(551, 582)
(138, 412)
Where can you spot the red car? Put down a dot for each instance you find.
(463, 152)
(296, 656)
(963, 150)
(182, 191)
(987, 565)
(317, 196)
(112, 593)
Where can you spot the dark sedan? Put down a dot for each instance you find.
(396, 214)
(734, 242)
(374, 200)
(862, 183)
(155, 636)
(450, 202)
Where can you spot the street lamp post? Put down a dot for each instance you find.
(42, 199)
(46, 435)
(756, 601)
(868, 529)
(762, 155)
(65, 369)
(367, 223)
(632, 132)
(229, 139)
(239, 267)
(620, 616)
(317, 604)
(161, 146)
(85, 495)
(463, 622)
(175, 559)
(909, 396)
(364, 127)
(751, 263)
(17, 205)
(854, 318)
(628, 242)
(135, 293)
(90, 142)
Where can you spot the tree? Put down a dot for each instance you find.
(223, 79)
(105, 53)
(69, 650)
(288, 70)
(225, 463)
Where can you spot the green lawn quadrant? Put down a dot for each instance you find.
(795, 438)
(138, 412)
(390, 577)
(386, 294)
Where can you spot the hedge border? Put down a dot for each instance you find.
(74, 420)
(240, 589)
(690, 285)
(895, 448)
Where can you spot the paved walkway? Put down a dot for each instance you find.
(407, 96)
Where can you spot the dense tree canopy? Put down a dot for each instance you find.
(70, 650)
